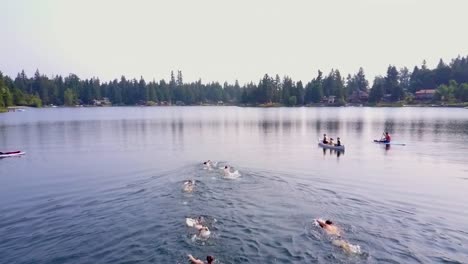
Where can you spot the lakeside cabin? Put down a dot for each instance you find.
(104, 102)
(359, 97)
(328, 99)
(425, 95)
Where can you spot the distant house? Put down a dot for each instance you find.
(180, 103)
(359, 97)
(425, 95)
(328, 99)
(220, 103)
(104, 102)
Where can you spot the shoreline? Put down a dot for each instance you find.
(385, 105)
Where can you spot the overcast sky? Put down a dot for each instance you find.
(218, 40)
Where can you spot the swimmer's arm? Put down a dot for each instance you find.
(194, 260)
(321, 223)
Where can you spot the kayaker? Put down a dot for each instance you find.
(325, 140)
(209, 260)
(330, 142)
(387, 138)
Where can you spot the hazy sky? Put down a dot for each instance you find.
(218, 40)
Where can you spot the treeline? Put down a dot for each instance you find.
(403, 84)
(398, 84)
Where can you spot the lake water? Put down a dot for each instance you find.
(104, 185)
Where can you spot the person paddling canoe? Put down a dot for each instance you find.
(325, 139)
(338, 142)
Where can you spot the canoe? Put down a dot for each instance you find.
(389, 143)
(326, 146)
(11, 154)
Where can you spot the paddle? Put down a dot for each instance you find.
(382, 137)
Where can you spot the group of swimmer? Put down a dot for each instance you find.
(204, 232)
(189, 185)
(199, 223)
(209, 165)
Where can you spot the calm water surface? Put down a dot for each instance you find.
(103, 185)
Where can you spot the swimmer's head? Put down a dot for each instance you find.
(225, 167)
(210, 259)
(328, 222)
(204, 163)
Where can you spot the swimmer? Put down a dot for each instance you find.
(189, 185)
(333, 230)
(230, 175)
(209, 260)
(329, 227)
(227, 171)
(209, 165)
(195, 223)
(204, 232)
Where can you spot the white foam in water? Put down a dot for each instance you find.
(316, 221)
(356, 249)
(232, 175)
(347, 247)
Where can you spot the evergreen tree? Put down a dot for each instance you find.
(287, 87)
(405, 79)
(300, 93)
(38, 89)
(442, 73)
(378, 89)
(392, 86)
